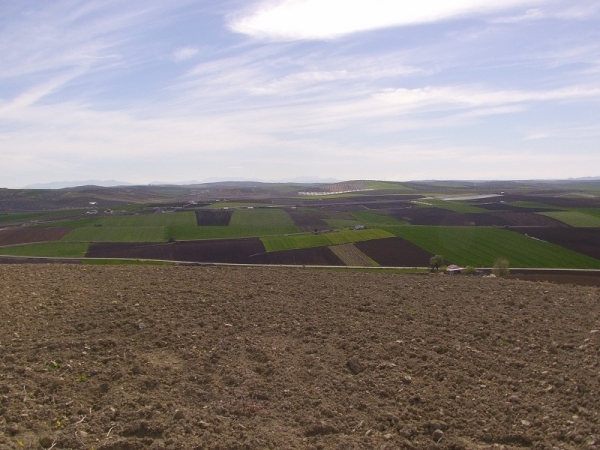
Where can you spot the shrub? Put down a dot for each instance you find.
(501, 267)
(469, 270)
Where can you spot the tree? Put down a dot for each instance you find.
(435, 262)
(501, 267)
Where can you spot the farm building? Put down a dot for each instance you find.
(453, 269)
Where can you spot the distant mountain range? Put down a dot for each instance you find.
(300, 180)
(114, 183)
(70, 184)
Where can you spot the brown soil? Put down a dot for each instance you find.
(308, 220)
(26, 235)
(236, 251)
(438, 216)
(320, 256)
(395, 252)
(121, 358)
(210, 217)
(528, 219)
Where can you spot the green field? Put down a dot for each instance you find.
(536, 205)
(50, 249)
(373, 219)
(220, 205)
(7, 219)
(386, 185)
(244, 223)
(480, 246)
(342, 223)
(574, 218)
(116, 234)
(277, 243)
(451, 205)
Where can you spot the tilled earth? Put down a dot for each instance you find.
(132, 357)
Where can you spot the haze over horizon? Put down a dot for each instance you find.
(266, 90)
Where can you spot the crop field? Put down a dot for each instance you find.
(405, 222)
(13, 218)
(237, 251)
(352, 256)
(373, 219)
(582, 240)
(116, 234)
(25, 235)
(455, 206)
(438, 216)
(277, 243)
(308, 218)
(480, 246)
(383, 185)
(395, 252)
(590, 211)
(186, 218)
(575, 218)
(49, 249)
(213, 217)
(535, 206)
(244, 223)
(340, 224)
(317, 256)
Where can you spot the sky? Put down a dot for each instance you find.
(272, 90)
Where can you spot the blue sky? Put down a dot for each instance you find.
(143, 91)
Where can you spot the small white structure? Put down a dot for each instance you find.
(453, 269)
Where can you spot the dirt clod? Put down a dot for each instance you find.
(354, 365)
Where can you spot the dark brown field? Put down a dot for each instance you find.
(132, 358)
(235, 251)
(27, 235)
(308, 220)
(319, 256)
(395, 252)
(216, 217)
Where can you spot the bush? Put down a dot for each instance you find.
(469, 270)
(501, 267)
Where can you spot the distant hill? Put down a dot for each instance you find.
(71, 184)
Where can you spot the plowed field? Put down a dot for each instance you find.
(26, 235)
(395, 252)
(237, 251)
(128, 358)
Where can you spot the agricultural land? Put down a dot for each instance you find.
(533, 225)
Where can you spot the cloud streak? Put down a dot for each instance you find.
(328, 19)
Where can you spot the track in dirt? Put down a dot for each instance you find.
(254, 358)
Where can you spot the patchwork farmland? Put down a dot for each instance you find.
(380, 224)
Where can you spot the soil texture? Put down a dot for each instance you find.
(139, 357)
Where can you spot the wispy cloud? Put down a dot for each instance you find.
(185, 53)
(327, 19)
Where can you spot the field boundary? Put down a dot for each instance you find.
(59, 260)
